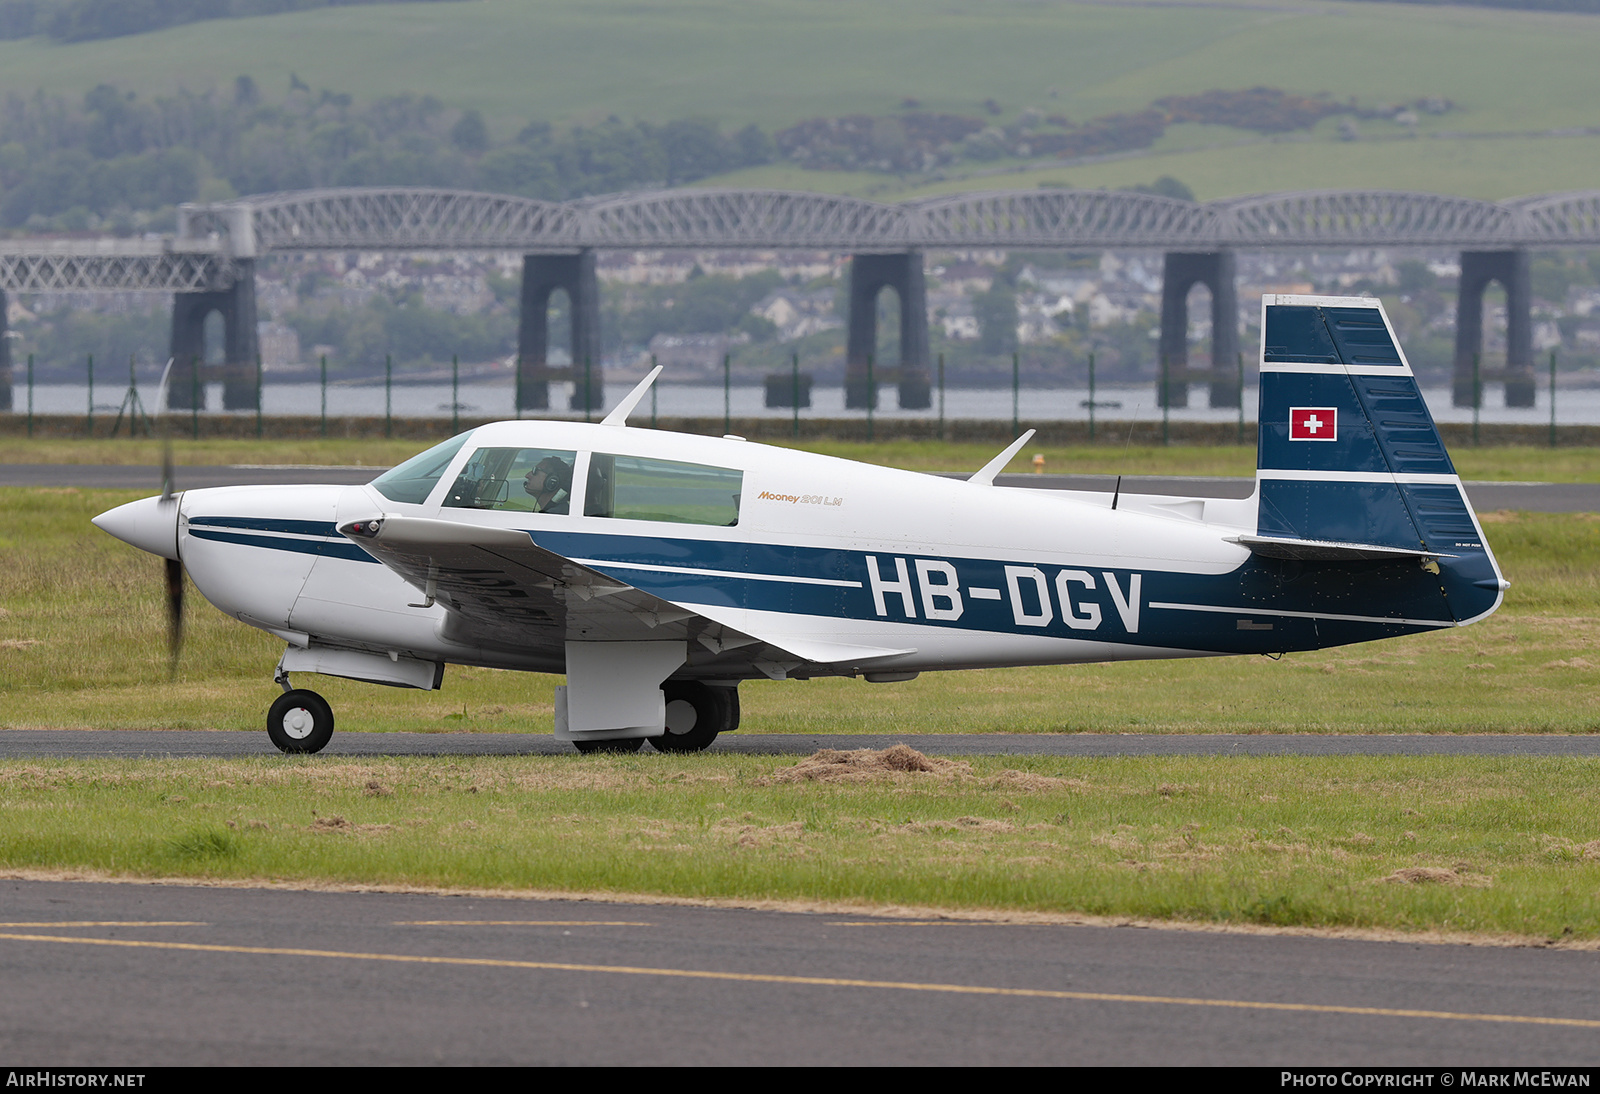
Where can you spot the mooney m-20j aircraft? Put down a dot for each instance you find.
(659, 570)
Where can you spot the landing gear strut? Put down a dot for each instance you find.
(696, 713)
(300, 721)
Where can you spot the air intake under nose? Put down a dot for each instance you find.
(150, 524)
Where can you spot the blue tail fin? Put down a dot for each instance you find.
(1349, 456)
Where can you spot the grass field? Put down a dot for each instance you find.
(775, 61)
(1486, 168)
(1506, 464)
(1501, 847)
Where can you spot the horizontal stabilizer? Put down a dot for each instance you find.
(1318, 550)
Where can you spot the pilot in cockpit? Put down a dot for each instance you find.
(549, 484)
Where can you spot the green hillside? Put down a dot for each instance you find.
(774, 62)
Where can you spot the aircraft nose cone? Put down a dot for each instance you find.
(150, 524)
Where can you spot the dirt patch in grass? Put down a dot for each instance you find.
(1029, 780)
(854, 765)
(1434, 875)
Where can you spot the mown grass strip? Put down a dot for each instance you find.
(1510, 463)
(1487, 845)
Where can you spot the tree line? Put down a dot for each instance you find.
(87, 20)
(116, 160)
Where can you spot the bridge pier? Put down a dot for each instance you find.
(1181, 272)
(5, 356)
(1513, 270)
(240, 345)
(575, 275)
(869, 274)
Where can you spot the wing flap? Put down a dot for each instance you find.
(1316, 550)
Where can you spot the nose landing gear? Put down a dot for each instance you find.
(300, 721)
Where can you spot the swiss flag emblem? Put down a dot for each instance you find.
(1313, 423)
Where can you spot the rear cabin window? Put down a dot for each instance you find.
(515, 480)
(634, 488)
(414, 480)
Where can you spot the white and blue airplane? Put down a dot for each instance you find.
(658, 570)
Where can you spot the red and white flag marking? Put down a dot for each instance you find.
(1313, 423)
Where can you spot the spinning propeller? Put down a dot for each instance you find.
(169, 511)
(174, 567)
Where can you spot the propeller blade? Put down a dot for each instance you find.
(174, 611)
(166, 468)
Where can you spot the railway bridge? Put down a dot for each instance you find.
(209, 264)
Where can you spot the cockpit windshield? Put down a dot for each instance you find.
(414, 480)
(518, 480)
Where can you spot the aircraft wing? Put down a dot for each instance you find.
(503, 589)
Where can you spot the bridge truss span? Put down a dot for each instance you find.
(408, 218)
(744, 218)
(113, 266)
(1063, 218)
(1567, 219)
(400, 218)
(1374, 218)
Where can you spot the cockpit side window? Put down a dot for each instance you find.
(516, 480)
(635, 488)
(414, 480)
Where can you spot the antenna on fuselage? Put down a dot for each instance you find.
(985, 476)
(619, 415)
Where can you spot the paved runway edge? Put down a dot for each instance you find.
(91, 743)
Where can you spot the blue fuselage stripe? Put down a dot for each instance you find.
(1263, 605)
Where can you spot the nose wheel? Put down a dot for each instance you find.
(300, 721)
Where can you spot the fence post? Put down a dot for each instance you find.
(1091, 396)
(1166, 403)
(795, 374)
(455, 393)
(1016, 389)
(653, 386)
(1477, 395)
(30, 394)
(588, 388)
(727, 393)
(1552, 398)
(195, 391)
(323, 415)
(91, 395)
(258, 395)
(941, 396)
(388, 394)
(872, 396)
(516, 397)
(1240, 435)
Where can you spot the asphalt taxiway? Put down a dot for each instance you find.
(129, 974)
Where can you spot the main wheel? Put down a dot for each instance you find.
(300, 721)
(696, 713)
(627, 744)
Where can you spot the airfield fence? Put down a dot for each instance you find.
(1567, 410)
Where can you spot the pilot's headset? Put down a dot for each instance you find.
(557, 475)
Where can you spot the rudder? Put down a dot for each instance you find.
(1349, 454)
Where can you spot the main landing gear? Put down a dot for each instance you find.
(300, 721)
(696, 713)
